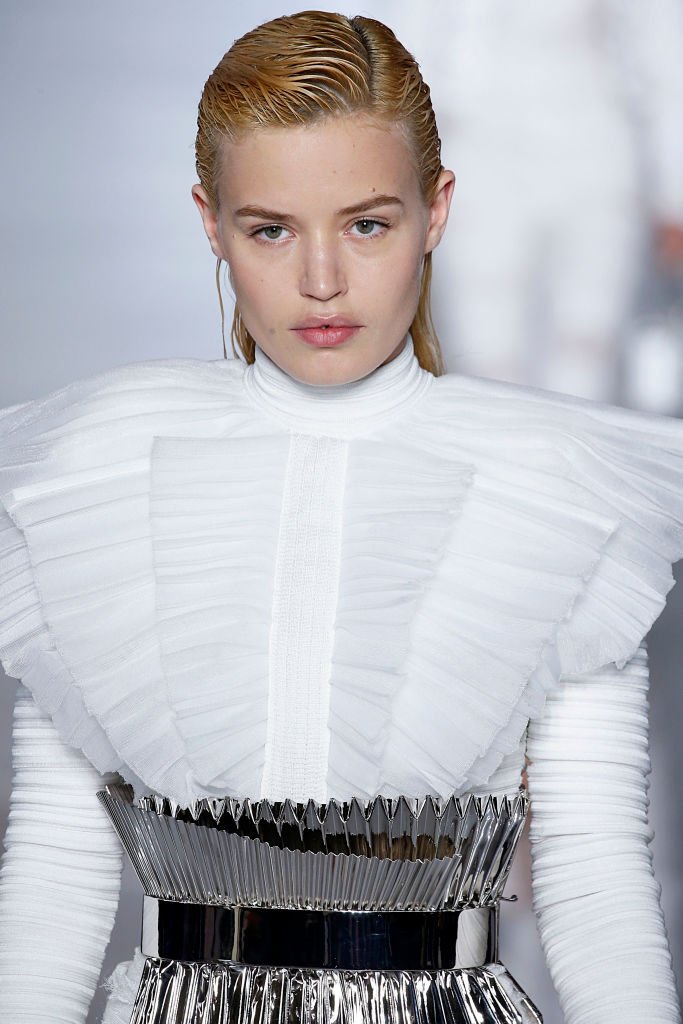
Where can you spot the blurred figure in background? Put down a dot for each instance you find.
(653, 377)
(563, 122)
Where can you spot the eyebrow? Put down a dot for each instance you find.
(348, 211)
(370, 204)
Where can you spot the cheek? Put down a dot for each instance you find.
(260, 295)
(398, 278)
(237, 258)
(247, 279)
(253, 275)
(401, 287)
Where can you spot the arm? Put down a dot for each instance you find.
(59, 881)
(595, 895)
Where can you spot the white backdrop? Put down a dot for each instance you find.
(104, 262)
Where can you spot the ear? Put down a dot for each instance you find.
(439, 209)
(209, 220)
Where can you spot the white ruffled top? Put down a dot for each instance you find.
(217, 579)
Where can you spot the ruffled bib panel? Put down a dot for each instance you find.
(494, 538)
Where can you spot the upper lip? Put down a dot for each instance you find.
(324, 321)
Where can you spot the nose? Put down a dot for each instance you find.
(322, 275)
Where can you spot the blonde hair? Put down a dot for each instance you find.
(301, 68)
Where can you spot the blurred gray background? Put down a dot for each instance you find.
(104, 260)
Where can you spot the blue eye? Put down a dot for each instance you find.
(366, 226)
(272, 232)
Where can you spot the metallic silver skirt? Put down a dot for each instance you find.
(381, 869)
(173, 992)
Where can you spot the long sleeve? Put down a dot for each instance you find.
(59, 880)
(595, 896)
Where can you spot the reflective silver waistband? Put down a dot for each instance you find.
(343, 939)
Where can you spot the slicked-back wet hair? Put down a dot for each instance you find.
(301, 68)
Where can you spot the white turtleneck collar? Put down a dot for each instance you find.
(345, 410)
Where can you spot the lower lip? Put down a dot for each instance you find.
(326, 337)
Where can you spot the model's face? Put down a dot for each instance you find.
(324, 230)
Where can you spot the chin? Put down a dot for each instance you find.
(328, 379)
(328, 369)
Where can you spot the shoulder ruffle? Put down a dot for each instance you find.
(28, 652)
(628, 468)
(77, 594)
(559, 564)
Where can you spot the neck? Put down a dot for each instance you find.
(345, 410)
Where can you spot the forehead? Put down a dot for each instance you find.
(334, 163)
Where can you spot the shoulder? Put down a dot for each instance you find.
(613, 451)
(130, 387)
(490, 403)
(600, 485)
(77, 605)
(115, 409)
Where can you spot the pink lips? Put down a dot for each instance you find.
(326, 332)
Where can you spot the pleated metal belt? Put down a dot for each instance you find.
(342, 939)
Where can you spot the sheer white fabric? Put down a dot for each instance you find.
(493, 537)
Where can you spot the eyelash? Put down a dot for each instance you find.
(371, 220)
(257, 233)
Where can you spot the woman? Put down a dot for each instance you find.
(309, 596)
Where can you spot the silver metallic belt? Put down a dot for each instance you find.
(343, 939)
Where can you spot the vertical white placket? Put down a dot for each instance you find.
(306, 585)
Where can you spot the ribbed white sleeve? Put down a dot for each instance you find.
(59, 881)
(595, 896)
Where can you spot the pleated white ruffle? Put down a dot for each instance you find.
(494, 539)
(559, 563)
